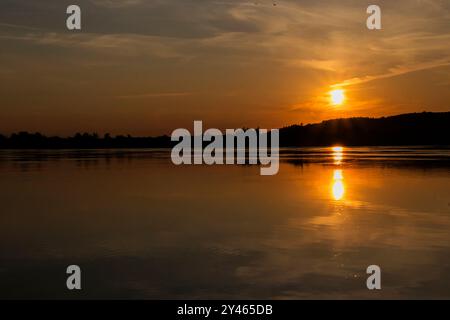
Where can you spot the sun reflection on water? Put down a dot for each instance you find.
(338, 187)
(338, 155)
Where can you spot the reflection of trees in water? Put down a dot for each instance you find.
(422, 158)
(36, 160)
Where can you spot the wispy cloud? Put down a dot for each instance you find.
(393, 72)
(118, 44)
(16, 26)
(117, 3)
(155, 95)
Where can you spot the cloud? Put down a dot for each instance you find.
(393, 72)
(117, 3)
(15, 26)
(114, 44)
(155, 95)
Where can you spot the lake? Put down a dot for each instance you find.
(140, 227)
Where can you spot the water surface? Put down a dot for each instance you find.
(140, 227)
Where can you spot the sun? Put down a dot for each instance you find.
(337, 97)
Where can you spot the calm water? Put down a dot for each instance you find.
(140, 227)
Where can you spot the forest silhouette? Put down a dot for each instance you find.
(426, 128)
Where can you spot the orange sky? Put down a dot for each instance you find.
(148, 67)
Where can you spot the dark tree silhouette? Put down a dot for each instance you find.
(426, 128)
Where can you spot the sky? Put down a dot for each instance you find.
(147, 67)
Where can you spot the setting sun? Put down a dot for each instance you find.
(337, 97)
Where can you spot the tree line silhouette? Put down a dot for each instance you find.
(25, 140)
(426, 128)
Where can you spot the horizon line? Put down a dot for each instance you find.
(243, 127)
